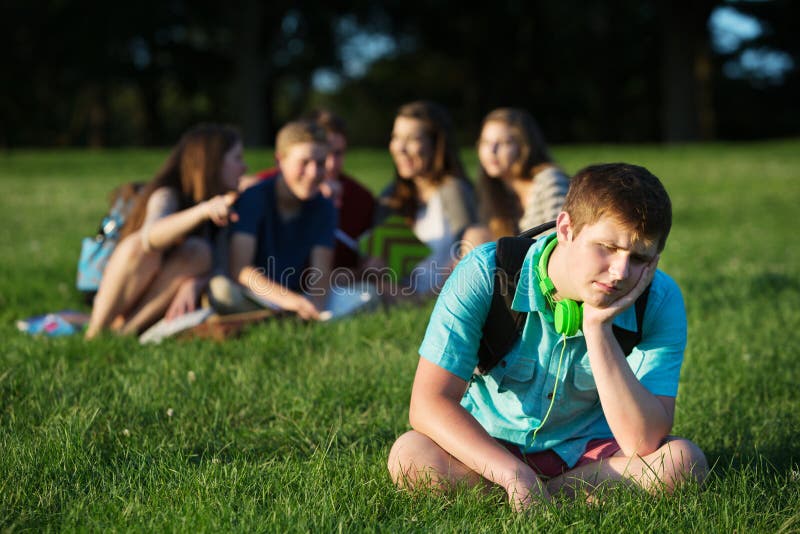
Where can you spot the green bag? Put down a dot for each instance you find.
(395, 243)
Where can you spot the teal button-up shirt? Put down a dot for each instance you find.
(510, 402)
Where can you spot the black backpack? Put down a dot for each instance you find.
(503, 325)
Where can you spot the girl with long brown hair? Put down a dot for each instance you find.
(165, 253)
(430, 188)
(519, 184)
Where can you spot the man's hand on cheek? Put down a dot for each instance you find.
(594, 315)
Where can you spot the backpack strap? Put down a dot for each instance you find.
(503, 325)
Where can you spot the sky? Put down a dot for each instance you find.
(729, 28)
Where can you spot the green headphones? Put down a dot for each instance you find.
(567, 314)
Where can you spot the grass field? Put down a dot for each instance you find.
(287, 428)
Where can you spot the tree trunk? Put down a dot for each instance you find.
(686, 107)
(249, 87)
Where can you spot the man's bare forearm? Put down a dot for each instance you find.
(637, 418)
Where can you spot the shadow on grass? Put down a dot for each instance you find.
(725, 290)
(781, 459)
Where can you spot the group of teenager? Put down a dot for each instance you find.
(565, 404)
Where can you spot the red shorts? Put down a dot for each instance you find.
(549, 464)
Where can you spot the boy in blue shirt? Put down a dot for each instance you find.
(565, 410)
(285, 227)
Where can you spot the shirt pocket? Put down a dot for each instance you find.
(510, 375)
(582, 378)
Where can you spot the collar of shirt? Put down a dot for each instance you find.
(528, 297)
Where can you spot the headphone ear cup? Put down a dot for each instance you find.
(568, 317)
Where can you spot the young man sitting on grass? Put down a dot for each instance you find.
(354, 203)
(564, 410)
(285, 226)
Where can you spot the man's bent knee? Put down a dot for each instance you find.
(683, 461)
(414, 461)
(400, 456)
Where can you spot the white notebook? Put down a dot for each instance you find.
(344, 301)
(167, 328)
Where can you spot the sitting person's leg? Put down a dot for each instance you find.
(129, 271)
(228, 297)
(191, 258)
(678, 460)
(416, 461)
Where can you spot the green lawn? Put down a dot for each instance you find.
(288, 427)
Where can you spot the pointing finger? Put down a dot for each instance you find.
(230, 198)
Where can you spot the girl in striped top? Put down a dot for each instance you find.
(519, 185)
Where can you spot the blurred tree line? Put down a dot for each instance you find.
(98, 73)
